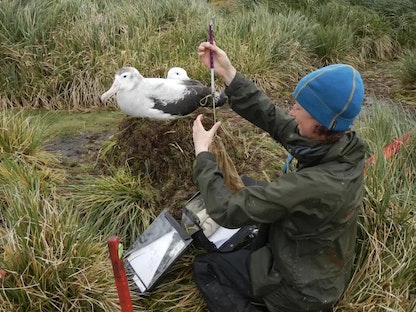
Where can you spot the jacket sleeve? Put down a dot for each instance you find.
(248, 206)
(311, 197)
(247, 100)
(251, 204)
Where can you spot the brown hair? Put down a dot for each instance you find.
(330, 135)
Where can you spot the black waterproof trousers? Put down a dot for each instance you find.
(224, 281)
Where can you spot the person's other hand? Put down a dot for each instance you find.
(203, 138)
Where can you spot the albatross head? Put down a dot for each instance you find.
(125, 79)
(177, 73)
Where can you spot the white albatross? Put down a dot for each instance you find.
(158, 98)
(181, 74)
(177, 73)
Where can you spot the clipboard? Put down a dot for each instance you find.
(151, 256)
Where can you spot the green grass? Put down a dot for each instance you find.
(64, 123)
(118, 204)
(352, 32)
(408, 68)
(20, 134)
(385, 265)
(52, 259)
(64, 54)
(66, 230)
(57, 57)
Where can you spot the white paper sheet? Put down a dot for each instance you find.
(222, 235)
(147, 260)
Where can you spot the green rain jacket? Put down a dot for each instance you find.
(312, 212)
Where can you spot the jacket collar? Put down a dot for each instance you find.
(349, 149)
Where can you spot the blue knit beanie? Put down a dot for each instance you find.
(333, 95)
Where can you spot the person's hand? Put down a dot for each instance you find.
(203, 138)
(222, 64)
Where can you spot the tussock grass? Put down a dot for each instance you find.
(333, 43)
(21, 134)
(385, 265)
(118, 204)
(406, 27)
(53, 262)
(63, 54)
(21, 140)
(408, 68)
(344, 32)
(388, 8)
(351, 31)
(29, 174)
(178, 292)
(399, 14)
(258, 39)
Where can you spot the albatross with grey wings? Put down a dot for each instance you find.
(158, 98)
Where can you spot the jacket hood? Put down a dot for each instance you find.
(349, 149)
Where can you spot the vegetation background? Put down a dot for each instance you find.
(74, 171)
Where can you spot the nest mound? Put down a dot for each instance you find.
(163, 151)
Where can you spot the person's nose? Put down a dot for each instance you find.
(292, 111)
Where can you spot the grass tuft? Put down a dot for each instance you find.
(118, 204)
(53, 262)
(385, 265)
(408, 68)
(61, 55)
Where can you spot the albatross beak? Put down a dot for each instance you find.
(110, 92)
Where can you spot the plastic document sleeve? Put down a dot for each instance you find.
(156, 250)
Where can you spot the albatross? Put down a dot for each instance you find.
(158, 98)
(177, 73)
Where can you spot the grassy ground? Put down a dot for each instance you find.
(74, 170)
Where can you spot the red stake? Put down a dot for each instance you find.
(392, 148)
(120, 274)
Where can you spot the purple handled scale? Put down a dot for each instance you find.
(211, 61)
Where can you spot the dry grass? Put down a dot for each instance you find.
(60, 55)
(65, 231)
(63, 55)
(119, 204)
(385, 265)
(52, 260)
(163, 152)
